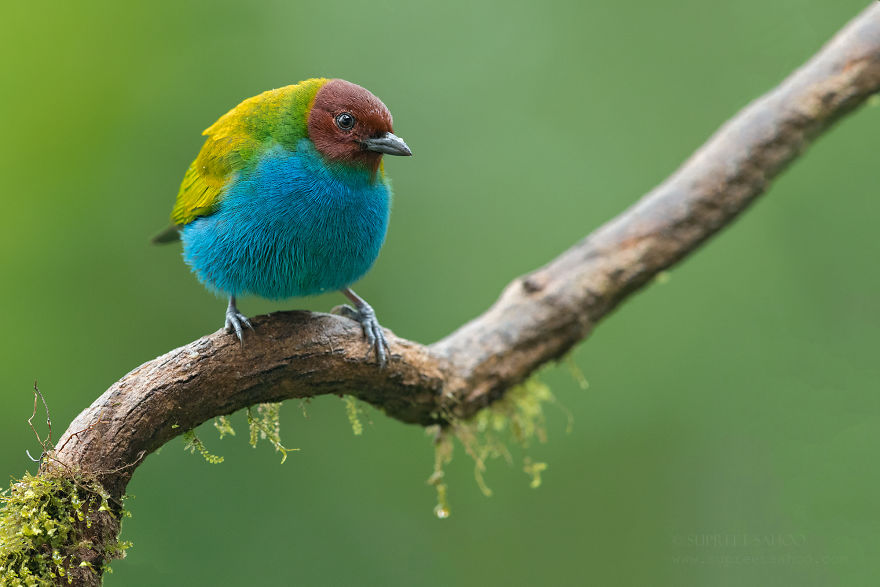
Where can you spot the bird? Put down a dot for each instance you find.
(288, 197)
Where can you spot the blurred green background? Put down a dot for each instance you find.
(729, 435)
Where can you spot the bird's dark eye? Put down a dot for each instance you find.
(345, 121)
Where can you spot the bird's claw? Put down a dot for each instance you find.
(234, 322)
(373, 332)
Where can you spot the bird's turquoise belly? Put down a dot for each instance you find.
(292, 226)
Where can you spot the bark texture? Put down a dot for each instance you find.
(537, 318)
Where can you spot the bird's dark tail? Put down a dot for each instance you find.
(169, 235)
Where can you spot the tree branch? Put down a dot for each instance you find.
(538, 317)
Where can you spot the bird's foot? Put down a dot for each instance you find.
(373, 332)
(236, 321)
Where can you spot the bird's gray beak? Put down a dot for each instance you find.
(388, 143)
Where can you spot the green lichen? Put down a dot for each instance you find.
(662, 277)
(304, 406)
(351, 410)
(224, 426)
(442, 456)
(266, 425)
(576, 373)
(193, 444)
(519, 416)
(43, 523)
(534, 471)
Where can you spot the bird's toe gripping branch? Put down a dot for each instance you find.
(376, 340)
(366, 317)
(235, 320)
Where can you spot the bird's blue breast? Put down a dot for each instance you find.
(291, 226)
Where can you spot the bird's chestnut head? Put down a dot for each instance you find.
(349, 124)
